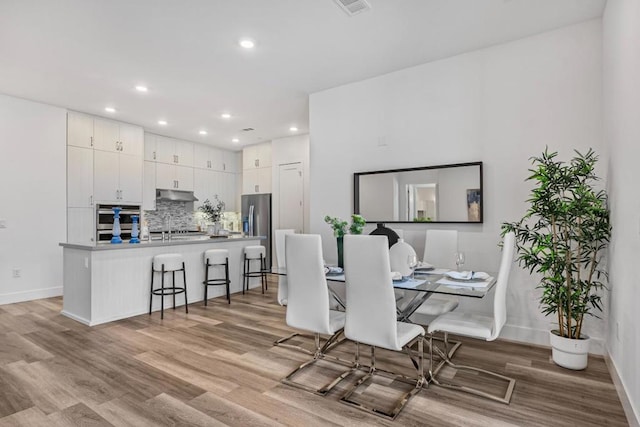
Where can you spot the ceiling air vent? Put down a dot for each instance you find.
(353, 7)
(247, 129)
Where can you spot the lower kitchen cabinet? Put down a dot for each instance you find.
(81, 228)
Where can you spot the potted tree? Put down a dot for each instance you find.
(563, 236)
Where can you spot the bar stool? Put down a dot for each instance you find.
(168, 263)
(254, 253)
(215, 258)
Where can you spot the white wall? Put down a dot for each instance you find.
(33, 176)
(499, 105)
(621, 47)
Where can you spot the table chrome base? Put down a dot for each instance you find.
(418, 382)
(506, 398)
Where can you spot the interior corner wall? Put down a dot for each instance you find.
(499, 105)
(33, 173)
(621, 128)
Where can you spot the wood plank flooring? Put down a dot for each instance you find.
(217, 366)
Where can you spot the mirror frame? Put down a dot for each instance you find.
(356, 193)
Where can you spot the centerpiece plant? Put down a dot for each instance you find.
(563, 236)
(213, 211)
(339, 228)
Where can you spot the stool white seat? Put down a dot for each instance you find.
(254, 253)
(216, 258)
(168, 263)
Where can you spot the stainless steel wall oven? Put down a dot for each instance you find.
(104, 221)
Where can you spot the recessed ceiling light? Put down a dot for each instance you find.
(293, 129)
(141, 88)
(162, 122)
(225, 115)
(203, 132)
(235, 140)
(247, 43)
(109, 109)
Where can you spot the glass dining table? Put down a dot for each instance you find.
(422, 285)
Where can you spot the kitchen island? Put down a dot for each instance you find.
(107, 282)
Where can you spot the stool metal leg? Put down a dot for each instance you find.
(151, 293)
(184, 281)
(262, 275)
(206, 280)
(173, 281)
(162, 295)
(226, 276)
(244, 274)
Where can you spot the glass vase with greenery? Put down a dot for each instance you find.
(340, 229)
(563, 236)
(212, 210)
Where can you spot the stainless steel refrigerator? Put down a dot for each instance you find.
(256, 209)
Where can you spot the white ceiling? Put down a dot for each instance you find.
(87, 54)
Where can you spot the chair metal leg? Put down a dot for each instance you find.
(506, 398)
(418, 383)
(151, 292)
(319, 354)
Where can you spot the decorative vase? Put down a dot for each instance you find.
(340, 241)
(134, 229)
(381, 230)
(399, 258)
(568, 352)
(116, 226)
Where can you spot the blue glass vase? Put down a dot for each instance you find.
(116, 226)
(134, 229)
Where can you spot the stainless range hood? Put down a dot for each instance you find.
(175, 195)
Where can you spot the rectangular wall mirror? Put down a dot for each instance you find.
(441, 193)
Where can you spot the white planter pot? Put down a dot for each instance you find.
(569, 353)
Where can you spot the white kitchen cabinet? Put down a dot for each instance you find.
(149, 186)
(117, 178)
(201, 185)
(150, 147)
(81, 227)
(256, 156)
(79, 177)
(206, 157)
(173, 177)
(256, 181)
(208, 184)
(79, 130)
(117, 137)
(231, 161)
(229, 191)
(173, 151)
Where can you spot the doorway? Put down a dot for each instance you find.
(291, 205)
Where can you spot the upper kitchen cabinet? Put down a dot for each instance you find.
(174, 177)
(173, 151)
(256, 156)
(117, 178)
(79, 177)
(117, 137)
(231, 161)
(206, 157)
(79, 130)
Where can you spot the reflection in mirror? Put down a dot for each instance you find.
(444, 193)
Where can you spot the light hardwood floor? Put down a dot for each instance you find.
(217, 366)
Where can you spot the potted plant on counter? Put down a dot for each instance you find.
(563, 236)
(213, 212)
(340, 229)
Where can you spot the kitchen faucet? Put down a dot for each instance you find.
(167, 219)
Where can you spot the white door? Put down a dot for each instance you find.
(291, 207)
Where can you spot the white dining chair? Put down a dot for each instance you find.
(280, 243)
(371, 316)
(308, 302)
(479, 327)
(439, 249)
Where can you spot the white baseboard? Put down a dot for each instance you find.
(30, 295)
(541, 337)
(632, 417)
(76, 318)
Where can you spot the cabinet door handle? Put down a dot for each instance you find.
(224, 166)
(154, 155)
(257, 188)
(256, 163)
(91, 141)
(90, 200)
(121, 146)
(177, 159)
(177, 184)
(117, 147)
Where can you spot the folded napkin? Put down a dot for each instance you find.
(424, 266)
(333, 270)
(395, 275)
(467, 275)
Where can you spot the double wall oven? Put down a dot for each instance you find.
(104, 221)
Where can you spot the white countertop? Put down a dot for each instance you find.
(177, 241)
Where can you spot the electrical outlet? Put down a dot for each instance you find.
(17, 272)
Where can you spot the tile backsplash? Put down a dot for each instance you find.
(182, 217)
